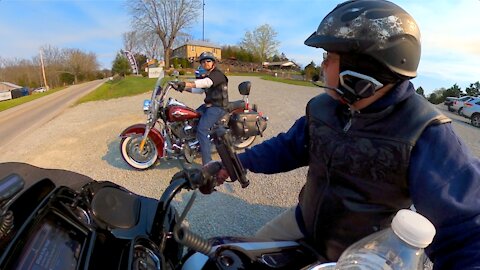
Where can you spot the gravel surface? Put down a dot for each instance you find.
(85, 139)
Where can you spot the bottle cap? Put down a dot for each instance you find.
(413, 228)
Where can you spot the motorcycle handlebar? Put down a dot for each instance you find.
(224, 145)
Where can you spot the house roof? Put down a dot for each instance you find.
(200, 43)
(11, 85)
(283, 64)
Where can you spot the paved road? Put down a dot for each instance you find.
(85, 139)
(464, 128)
(22, 119)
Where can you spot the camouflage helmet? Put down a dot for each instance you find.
(376, 28)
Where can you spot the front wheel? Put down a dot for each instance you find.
(140, 160)
(241, 143)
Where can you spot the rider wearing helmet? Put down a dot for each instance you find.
(373, 146)
(214, 84)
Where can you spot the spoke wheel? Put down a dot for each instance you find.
(141, 160)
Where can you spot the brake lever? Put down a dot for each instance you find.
(224, 145)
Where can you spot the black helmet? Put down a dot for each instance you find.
(375, 28)
(206, 55)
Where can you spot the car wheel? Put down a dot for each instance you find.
(460, 111)
(476, 120)
(450, 109)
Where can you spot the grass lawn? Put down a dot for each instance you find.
(7, 104)
(288, 81)
(121, 87)
(133, 85)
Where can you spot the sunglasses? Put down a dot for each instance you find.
(206, 61)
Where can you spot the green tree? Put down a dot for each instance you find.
(238, 53)
(438, 96)
(121, 66)
(140, 59)
(67, 78)
(454, 91)
(420, 91)
(276, 58)
(473, 89)
(311, 70)
(261, 42)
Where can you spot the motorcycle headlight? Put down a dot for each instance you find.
(146, 106)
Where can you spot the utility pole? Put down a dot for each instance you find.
(43, 70)
(203, 20)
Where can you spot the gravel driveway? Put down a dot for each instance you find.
(85, 139)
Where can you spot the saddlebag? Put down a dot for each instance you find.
(247, 124)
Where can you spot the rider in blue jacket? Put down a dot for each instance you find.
(372, 145)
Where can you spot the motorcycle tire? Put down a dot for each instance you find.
(129, 148)
(242, 143)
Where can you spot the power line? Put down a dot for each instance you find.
(203, 20)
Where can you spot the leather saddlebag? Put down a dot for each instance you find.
(247, 124)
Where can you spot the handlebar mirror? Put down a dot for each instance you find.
(175, 74)
(9, 186)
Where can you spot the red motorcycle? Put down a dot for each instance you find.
(171, 126)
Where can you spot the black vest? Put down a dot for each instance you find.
(358, 171)
(217, 94)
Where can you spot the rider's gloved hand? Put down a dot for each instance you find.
(214, 174)
(179, 86)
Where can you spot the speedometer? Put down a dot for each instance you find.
(145, 259)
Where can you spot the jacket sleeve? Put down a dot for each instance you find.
(445, 188)
(285, 152)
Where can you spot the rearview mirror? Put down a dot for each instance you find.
(9, 186)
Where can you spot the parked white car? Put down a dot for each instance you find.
(471, 109)
(457, 105)
(40, 90)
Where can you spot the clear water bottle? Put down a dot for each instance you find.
(399, 247)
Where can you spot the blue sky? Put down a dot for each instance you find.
(450, 30)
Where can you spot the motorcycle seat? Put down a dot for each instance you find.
(237, 104)
(116, 208)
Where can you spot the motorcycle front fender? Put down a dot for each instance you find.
(154, 135)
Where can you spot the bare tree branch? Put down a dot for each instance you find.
(165, 18)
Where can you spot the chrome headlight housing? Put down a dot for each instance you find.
(146, 106)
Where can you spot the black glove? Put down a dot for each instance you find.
(179, 86)
(214, 174)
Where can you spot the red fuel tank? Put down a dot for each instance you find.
(180, 113)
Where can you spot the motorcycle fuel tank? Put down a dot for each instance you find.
(180, 113)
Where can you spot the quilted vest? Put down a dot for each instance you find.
(358, 168)
(217, 95)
